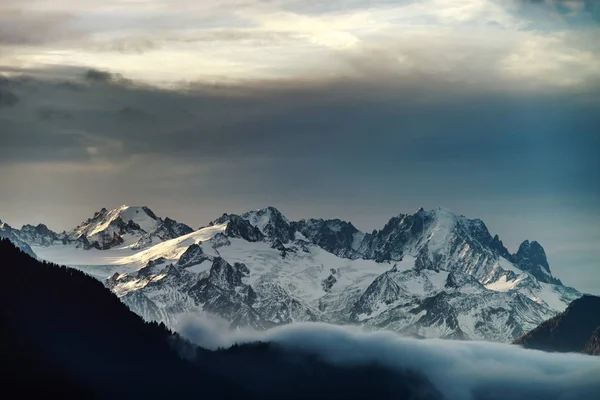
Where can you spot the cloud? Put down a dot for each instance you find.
(20, 27)
(473, 40)
(144, 43)
(282, 131)
(460, 370)
(7, 97)
(98, 76)
(265, 120)
(571, 10)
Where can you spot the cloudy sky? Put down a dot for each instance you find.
(356, 109)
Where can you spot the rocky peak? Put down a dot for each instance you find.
(99, 214)
(151, 268)
(225, 275)
(531, 258)
(221, 220)
(4, 226)
(176, 229)
(107, 229)
(497, 246)
(271, 223)
(399, 235)
(238, 227)
(7, 232)
(223, 288)
(533, 250)
(192, 256)
(333, 235)
(148, 212)
(38, 235)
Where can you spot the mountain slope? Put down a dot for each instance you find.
(574, 330)
(65, 334)
(593, 345)
(27, 370)
(429, 274)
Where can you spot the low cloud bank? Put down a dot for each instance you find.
(460, 370)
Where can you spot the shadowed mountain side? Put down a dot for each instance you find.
(83, 329)
(593, 346)
(27, 370)
(574, 330)
(299, 375)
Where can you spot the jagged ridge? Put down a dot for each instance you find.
(432, 274)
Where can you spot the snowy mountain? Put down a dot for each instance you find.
(126, 226)
(427, 274)
(7, 232)
(40, 235)
(134, 227)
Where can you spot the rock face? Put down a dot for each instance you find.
(576, 329)
(223, 292)
(593, 345)
(335, 236)
(428, 274)
(531, 257)
(271, 223)
(40, 235)
(238, 227)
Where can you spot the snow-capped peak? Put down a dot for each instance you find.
(271, 223)
(130, 226)
(140, 216)
(7, 232)
(262, 217)
(444, 222)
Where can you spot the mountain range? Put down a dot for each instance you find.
(427, 274)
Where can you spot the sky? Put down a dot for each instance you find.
(355, 109)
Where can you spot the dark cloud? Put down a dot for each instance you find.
(98, 76)
(362, 148)
(570, 8)
(346, 129)
(26, 27)
(50, 113)
(7, 98)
